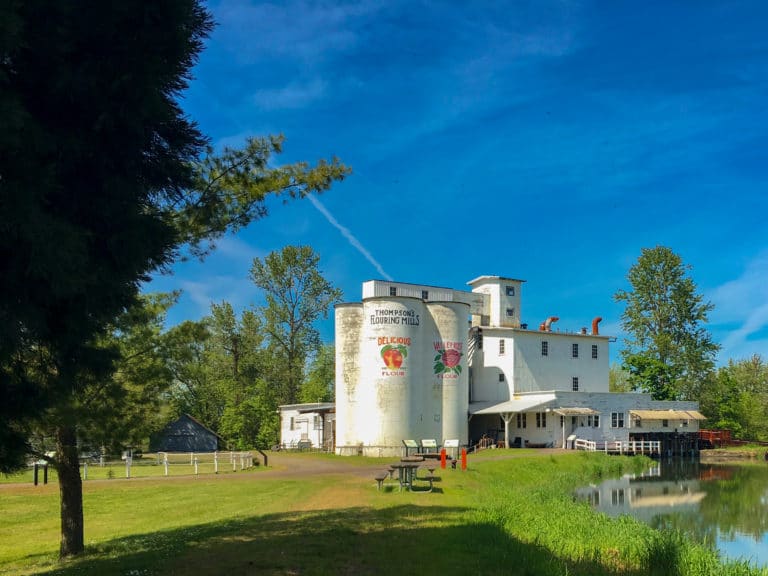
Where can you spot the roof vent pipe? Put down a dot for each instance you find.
(546, 326)
(595, 322)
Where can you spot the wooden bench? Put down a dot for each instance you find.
(380, 477)
(430, 479)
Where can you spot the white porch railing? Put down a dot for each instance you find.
(619, 446)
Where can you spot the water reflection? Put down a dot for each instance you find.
(723, 506)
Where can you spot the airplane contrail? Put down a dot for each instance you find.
(348, 235)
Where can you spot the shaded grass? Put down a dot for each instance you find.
(502, 516)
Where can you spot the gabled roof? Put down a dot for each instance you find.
(196, 421)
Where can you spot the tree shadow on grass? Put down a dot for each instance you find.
(407, 539)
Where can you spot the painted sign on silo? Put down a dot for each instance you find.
(449, 366)
(392, 345)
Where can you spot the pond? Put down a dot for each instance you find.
(725, 507)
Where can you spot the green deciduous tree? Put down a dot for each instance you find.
(219, 367)
(618, 379)
(668, 350)
(297, 295)
(125, 408)
(736, 399)
(319, 384)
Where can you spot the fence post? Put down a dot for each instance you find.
(128, 466)
(241, 461)
(85, 470)
(195, 466)
(191, 458)
(165, 463)
(234, 464)
(215, 462)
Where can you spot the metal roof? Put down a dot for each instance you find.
(575, 411)
(668, 414)
(515, 405)
(486, 277)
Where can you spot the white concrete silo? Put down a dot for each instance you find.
(448, 364)
(392, 346)
(348, 333)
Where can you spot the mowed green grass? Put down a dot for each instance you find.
(501, 516)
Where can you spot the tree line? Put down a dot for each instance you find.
(230, 371)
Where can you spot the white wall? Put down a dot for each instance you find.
(555, 371)
(526, 370)
(307, 426)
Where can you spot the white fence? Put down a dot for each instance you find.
(619, 446)
(221, 460)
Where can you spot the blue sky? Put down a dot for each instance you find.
(548, 141)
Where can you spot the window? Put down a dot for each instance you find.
(575, 383)
(594, 351)
(501, 346)
(574, 350)
(501, 377)
(544, 348)
(510, 312)
(293, 423)
(589, 420)
(596, 421)
(562, 421)
(521, 420)
(684, 424)
(318, 423)
(664, 423)
(510, 290)
(617, 419)
(617, 496)
(393, 290)
(541, 419)
(425, 296)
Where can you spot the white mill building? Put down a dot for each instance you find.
(410, 364)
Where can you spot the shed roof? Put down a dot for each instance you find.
(575, 411)
(668, 414)
(514, 405)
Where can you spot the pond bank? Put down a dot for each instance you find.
(720, 456)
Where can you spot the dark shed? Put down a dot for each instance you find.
(186, 435)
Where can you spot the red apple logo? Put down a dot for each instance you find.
(393, 355)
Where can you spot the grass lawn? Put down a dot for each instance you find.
(501, 516)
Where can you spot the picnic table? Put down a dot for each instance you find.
(406, 472)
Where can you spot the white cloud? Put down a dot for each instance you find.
(238, 250)
(295, 95)
(741, 310)
(297, 29)
(236, 290)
